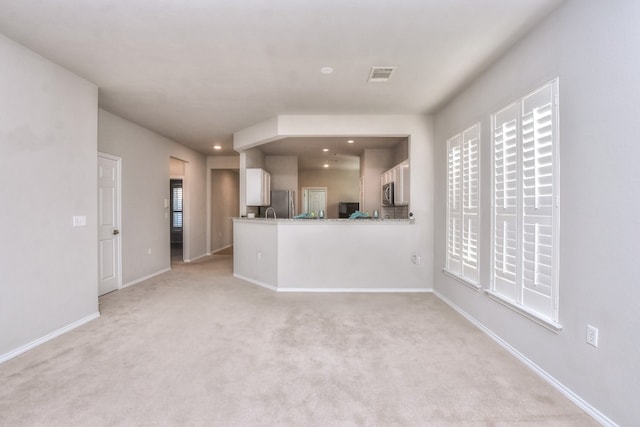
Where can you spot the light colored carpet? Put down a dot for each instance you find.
(197, 347)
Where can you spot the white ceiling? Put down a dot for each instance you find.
(198, 70)
(340, 154)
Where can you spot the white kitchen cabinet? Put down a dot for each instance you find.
(258, 187)
(400, 177)
(402, 180)
(389, 176)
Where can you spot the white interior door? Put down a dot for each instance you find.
(315, 199)
(109, 272)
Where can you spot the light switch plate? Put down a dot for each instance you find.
(592, 335)
(79, 221)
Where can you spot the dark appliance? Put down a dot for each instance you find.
(345, 209)
(283, 203)
(387, 194)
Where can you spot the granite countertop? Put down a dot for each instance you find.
(314, 221)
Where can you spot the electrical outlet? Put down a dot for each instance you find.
(592, 335)
(416, 259)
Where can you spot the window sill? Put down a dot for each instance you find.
(544, 322)
(464, 281)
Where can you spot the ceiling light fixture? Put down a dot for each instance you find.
(326, 70)
(217, 147)
(351, 141)
(326, 165)
(325, 149)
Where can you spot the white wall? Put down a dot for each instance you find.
(327, 255)
(176, 168)
(284, 172)
(145, 186)
(48, 269)
(229, 163)
(418, 128)
(225, 191)
(375, 161)
(195, 198)
(592, 46)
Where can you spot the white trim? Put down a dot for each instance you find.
(463, 280)
(581, 403)
(256, 282)
(361, 290)
(197, 258)
(531, 315)
(142, 279)
(305, 197)
(22, 349)
(334, 290)
(220, 249)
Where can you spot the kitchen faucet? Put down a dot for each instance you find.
(266, 213)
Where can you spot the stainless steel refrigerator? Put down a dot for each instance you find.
(283, 202)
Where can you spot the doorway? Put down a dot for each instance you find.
(178, 215)
(314, 199)
(109, 240)
(176, 220)
(225, 204)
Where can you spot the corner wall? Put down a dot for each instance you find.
(225, 203)
(48, 268)
(592, 46)
(145, 186)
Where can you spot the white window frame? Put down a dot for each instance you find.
(463, 207)
(524, 273)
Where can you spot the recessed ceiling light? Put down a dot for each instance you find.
(217, 147)
(326, 70)
(326, 165)
(351, 141)
(325, 149)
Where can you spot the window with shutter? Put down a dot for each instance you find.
(463, 204)
(470, 202)
(525, 188)
(454, 211)
(176, 204)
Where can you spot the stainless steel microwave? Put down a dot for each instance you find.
(387, 194)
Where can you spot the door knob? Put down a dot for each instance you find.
(116, 232)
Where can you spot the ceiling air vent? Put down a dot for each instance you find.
(380, 74)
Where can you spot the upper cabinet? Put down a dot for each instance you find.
(258, 187)
(403, 179)
(400, 177)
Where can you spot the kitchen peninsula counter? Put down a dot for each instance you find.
(327, 254)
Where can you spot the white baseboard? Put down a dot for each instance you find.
(362, 290)
(581, 403)
(196, 258)
(22, 349)
(142, 279)
(220, 249)
(256, 282)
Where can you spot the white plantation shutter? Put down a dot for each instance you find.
(463, 203)
(524, 268)
(470, 201)
(454, 207)
(538, 269)
(505, 159)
